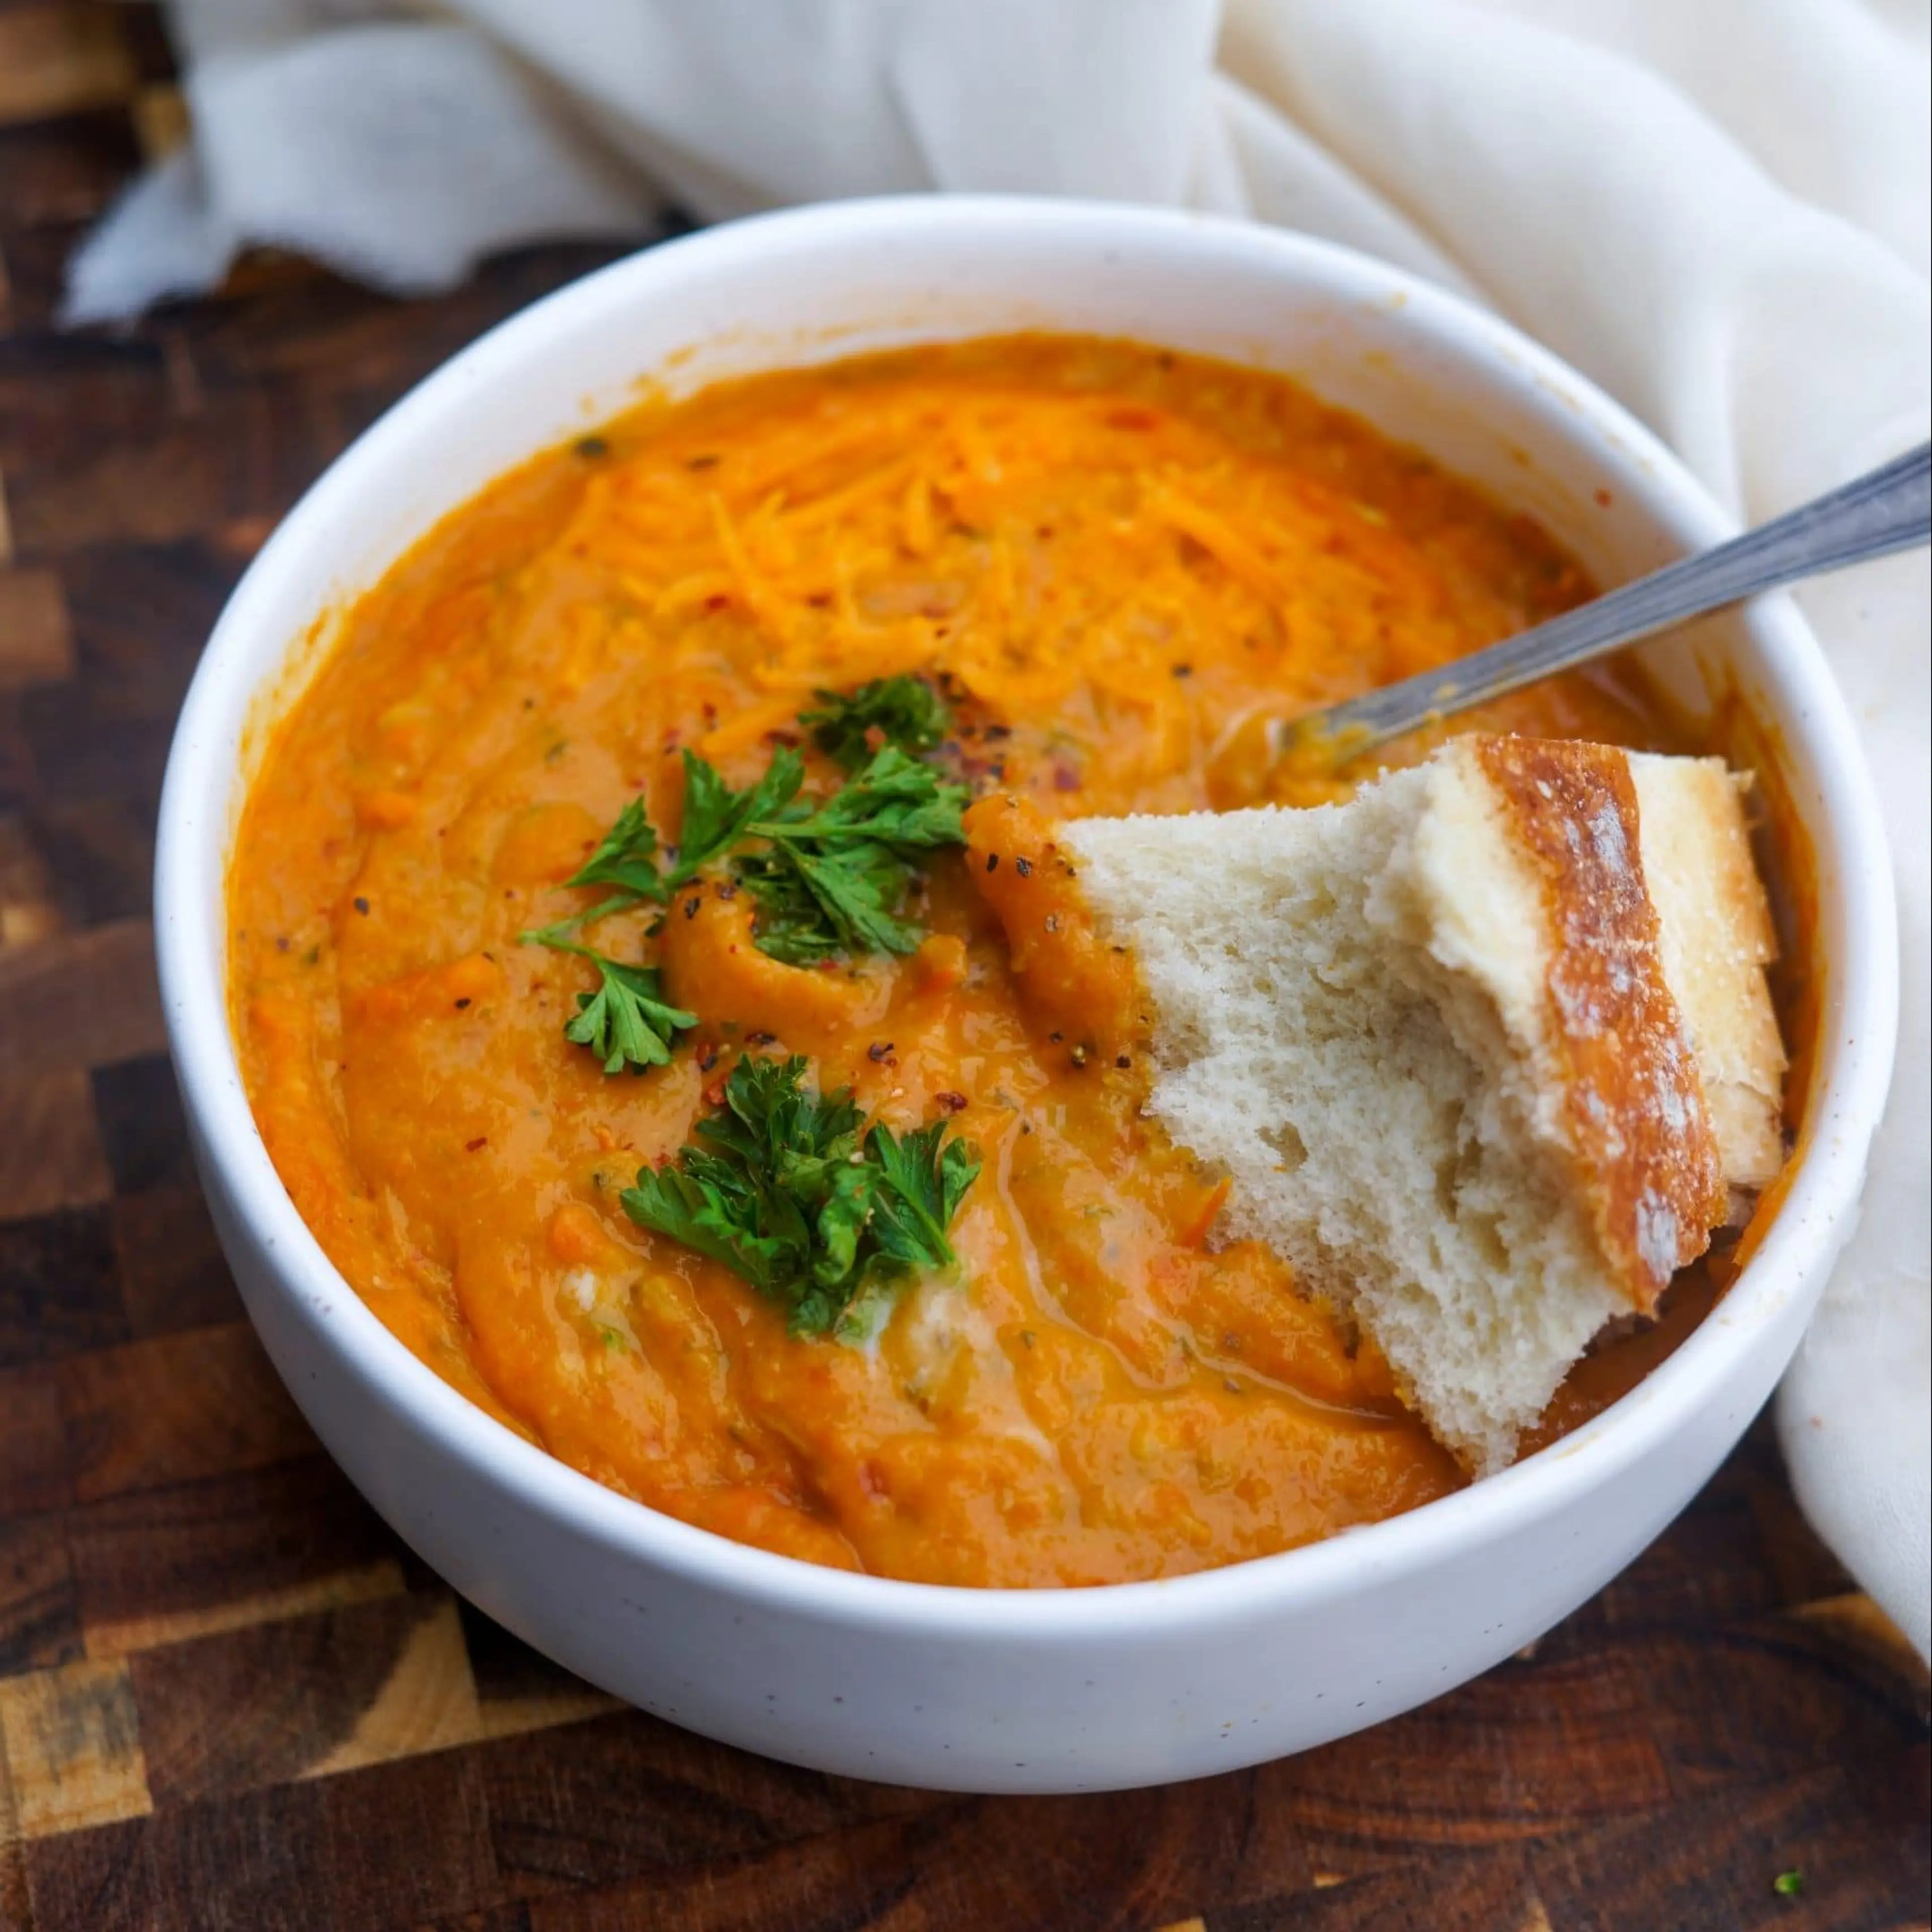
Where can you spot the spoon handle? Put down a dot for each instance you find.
(1890, 509)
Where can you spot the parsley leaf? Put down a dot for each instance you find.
(778, 1186)
(905, 712)
(715, 817)
(627, 858)
(895, 800)
(925, 1184)
(834, 874)
(812, 907)
(626, 1022)
(769, 1119)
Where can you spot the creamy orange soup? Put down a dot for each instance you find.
(1104, 559)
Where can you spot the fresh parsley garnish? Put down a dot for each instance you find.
(627, 858)
(923, 1177)
(811, 910)
(895, 801)
(831, 877)
(626, 1022)
(782, 1187)
(715, 817)
(905, 712)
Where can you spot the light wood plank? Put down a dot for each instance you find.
(73, 1744)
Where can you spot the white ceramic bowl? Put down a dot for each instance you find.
(1048, 1690)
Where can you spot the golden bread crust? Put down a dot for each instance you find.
(1633, 1101)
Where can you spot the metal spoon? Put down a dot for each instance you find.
(1891, 509)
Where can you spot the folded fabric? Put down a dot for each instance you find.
(1720, 212)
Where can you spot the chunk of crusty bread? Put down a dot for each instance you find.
(1484, 1050)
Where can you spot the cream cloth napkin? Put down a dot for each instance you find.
(1718, 208)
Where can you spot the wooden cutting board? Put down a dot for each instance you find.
(229, 1699)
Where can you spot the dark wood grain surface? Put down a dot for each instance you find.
(229, 1698)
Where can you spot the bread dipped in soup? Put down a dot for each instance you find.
(1487, 1052)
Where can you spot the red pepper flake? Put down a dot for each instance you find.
(993, 862)
(361, 905)
(460, 1004)
(690, 905)
(481, 1141)
(1066, 778)
(761, 1038)
(707, 1057)
(880, 1050)
(1124, 1059)
(1023, 867)
(952, 1103)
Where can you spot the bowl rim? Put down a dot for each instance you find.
(192, 850)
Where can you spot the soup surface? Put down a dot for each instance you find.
(1103, 559)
